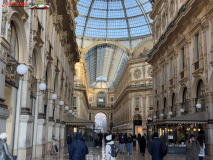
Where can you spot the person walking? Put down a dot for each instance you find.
(142, 145)
(54, 145)
(100, 139)
(4, 153)
(129, 144)
(202, 147)
(78, 148)
(69, 141)
(192, 148)
(134, 139)
(154, 147)
(122, 142)
(108, 149)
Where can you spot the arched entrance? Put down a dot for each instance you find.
(137, 121)
(101, 122)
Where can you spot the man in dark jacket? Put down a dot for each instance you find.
(192, 148)
(154, 147)
(77, 148)
(69, 141)
(122, 142)
(100, 139)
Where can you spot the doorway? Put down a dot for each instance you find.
(101, 122)
(137, 121)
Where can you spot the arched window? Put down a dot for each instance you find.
(13, 39)
(200, 96)
(158, 110)
(164, 108)
(185, 101)
(173, 108)
(101, 100)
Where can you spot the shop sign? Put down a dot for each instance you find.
(170, 136)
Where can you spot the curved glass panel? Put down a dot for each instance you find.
(105, 64)
(113, 19)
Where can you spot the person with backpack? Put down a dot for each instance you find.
(192, 148)
(202, 147)
(122, 142)
(157, 148)
(134, 140)
(109, 145)
(129, 144)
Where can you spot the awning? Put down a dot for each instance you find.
(76, 121)
(196, 118)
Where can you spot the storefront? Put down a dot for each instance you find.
(87, 128)
(175, 133)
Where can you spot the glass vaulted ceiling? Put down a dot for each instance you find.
(110, 19)
(105, 63)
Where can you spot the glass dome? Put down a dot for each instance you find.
(110, 19)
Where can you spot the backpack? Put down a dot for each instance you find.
(162, 150)
(114, 150)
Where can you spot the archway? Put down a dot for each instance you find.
(137, 122)
(101, 122)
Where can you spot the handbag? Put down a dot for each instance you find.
(56, 148)
(201, 150)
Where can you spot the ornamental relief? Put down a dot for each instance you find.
(137, 73)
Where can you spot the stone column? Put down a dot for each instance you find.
(25, 118)
(4, 112)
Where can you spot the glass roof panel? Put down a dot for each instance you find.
(116, 5)
(113, 17)
(116, 14)
(117, 33)
(139, 31)
(147, 7)
(137, 21)
(120, 23)
(97, 23)
(98, 13)
(98, 33)
(80, 21)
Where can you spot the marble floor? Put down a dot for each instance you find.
(99, 154)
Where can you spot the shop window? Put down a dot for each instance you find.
(185, 101)
(10, 95)
(196, 47)
(74, 101)
(200, 99)
(13, 39)
(182, 59)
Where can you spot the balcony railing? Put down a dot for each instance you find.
(79, 85)
(196, 65)
(182, 74)
(150, 108)
(100, 106)
(136, 109)
(140, 85)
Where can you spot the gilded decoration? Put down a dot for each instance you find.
(137, 73)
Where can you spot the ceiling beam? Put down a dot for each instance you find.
(88, 16)
(142, 9)
(127, 22)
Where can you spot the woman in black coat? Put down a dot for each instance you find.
(142, 145)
